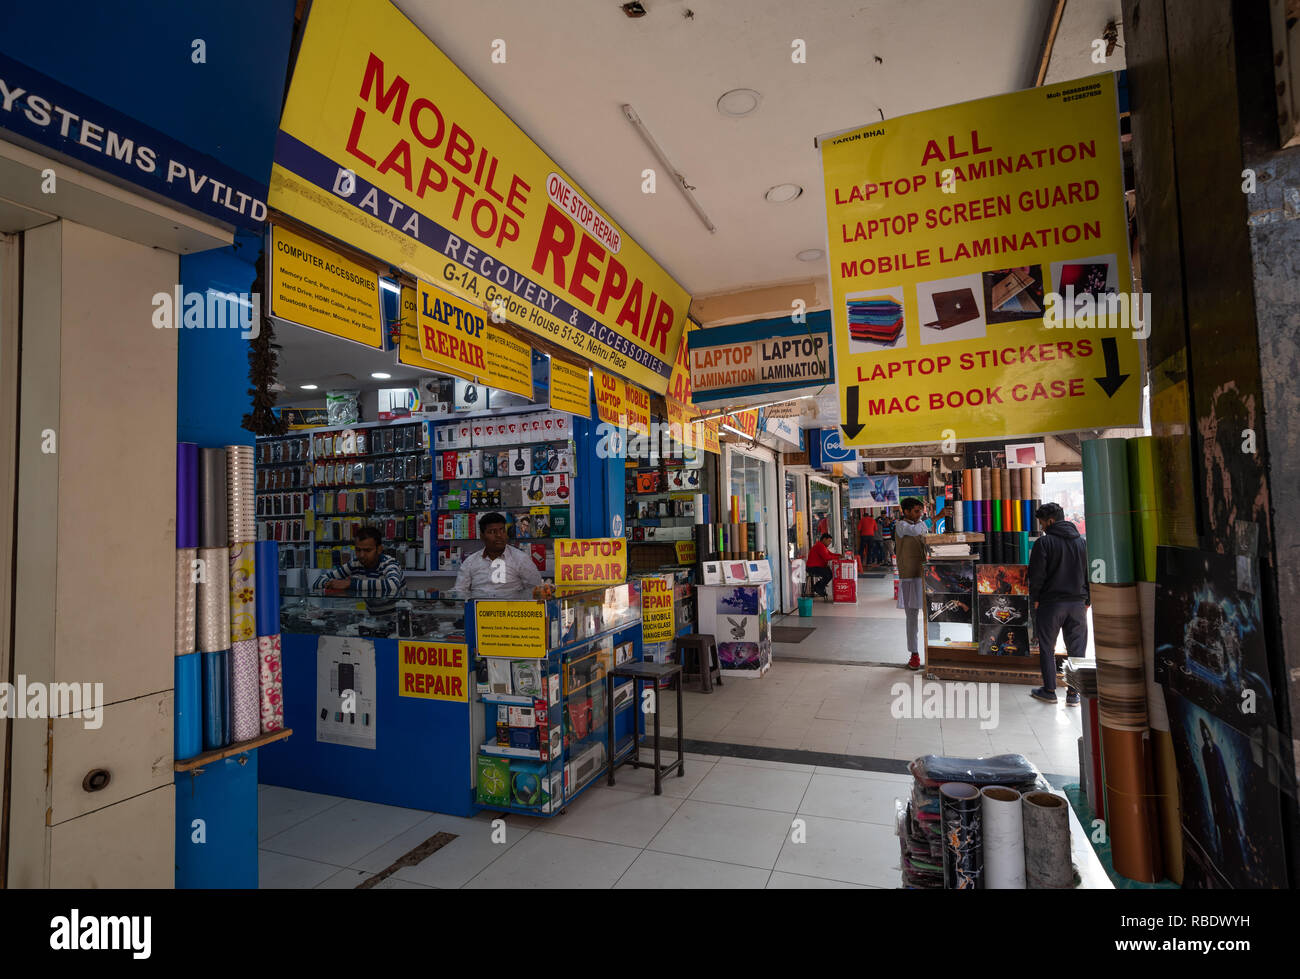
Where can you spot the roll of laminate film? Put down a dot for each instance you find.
(243, 593)
(1157, 715)
(959, 814)
(245, 691)
(966, 485)
(1144, 505)
(227, 714)
(1092, 735)
(1106, 510)
(1047, 841)
(186, 596)
(1131, 811)
(959, 516)
(1036, 486)
(213, 514)
(1171, 835)
(187, 494)
(188, 736)
(1121, 680)
(266, 570)
(700, 516)
(1004, 838)
(215, 682)
(242, 522)
(212, 625)
(269, 687)
(977, 484)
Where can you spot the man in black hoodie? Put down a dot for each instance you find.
(1058, 591)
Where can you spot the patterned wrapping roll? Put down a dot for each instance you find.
(214, 516)
(1121, 680)
(959, 815)
(245, 691)
(272, 700)
(243, 593)
(186, 596)
(1047, 841)
(267, 571)
(1004, 838)
(187, 494)
(226, 712)
(213, 600)
(240, 500)
(189, 706)
(215, 684)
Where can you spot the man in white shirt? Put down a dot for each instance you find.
(499, 570)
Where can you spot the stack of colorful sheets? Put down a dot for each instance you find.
(878, 320)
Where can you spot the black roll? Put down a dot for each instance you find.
(213, 516)
(963, 850)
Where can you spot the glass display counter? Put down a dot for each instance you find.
(317, 613)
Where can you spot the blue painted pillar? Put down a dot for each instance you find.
(216, 824)
(600, 494)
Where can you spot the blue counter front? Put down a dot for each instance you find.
(423, 754)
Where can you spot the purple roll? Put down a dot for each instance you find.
(187, 494)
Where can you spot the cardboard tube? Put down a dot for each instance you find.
(1047, 842)
(1130, 806)
(1004, 838)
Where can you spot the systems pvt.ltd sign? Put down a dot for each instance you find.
(385, 144)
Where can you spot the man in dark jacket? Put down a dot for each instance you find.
(1058, 591)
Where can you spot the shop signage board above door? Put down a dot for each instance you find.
(749, 362)
(385, 144)
(40, 110)
(320, 289)
(979, 262)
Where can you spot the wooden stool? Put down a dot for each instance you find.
(698, 656)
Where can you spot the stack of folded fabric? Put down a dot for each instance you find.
(919, 834)
(877, 320)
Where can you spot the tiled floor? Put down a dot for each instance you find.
(831, 704)
(730, 822)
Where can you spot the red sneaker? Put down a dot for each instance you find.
(914, 663)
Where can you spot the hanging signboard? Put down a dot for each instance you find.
(318, 288)
(570, 388)
(980, 273)
(657, 609)
(610, 393)
(385, 144)
(866, 492)
(636, 402)
(591, 562)
(749, 362)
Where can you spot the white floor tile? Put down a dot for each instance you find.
(838, 849)
(344, 833)
(545, 860)
(758, 788)
(613, 816)
(781, 766)
(279, 808)
(731, 834)
(462, 859)
(678, 787)
(862, 799)
(384, 856)
(279, 871)
(783, 881)
(348, 879)
(669, 871)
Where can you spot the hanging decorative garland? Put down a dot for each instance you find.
(263, 363)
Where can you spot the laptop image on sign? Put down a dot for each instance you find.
(1009, 295)
(954, 308)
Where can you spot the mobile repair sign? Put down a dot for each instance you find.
(433, 671)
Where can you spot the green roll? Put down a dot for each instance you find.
(1106, 511)
(1144, 503)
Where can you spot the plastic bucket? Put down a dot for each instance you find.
(805, 608)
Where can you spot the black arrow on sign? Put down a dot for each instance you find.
(1113, 380)
(851, 425)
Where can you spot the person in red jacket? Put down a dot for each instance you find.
(867, 542)
(819, 565)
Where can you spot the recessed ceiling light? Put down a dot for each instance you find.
(782, 193)
(308, 387)
(739, 102)
(380, 376)
(810, 255)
